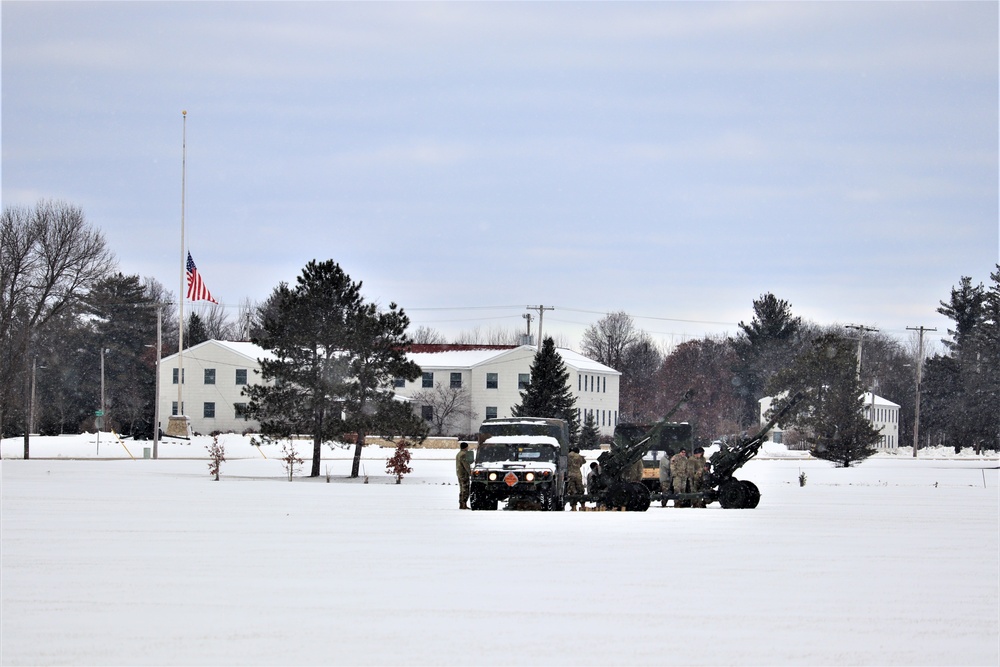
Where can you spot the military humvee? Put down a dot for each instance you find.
(522, 461)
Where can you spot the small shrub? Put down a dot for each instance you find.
(216, 454)
(290, 459)
(802, 478)
(399, 463)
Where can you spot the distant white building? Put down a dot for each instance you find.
(495, 375)
(215, 373)
(881, 412)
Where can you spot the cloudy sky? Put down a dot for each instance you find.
(465, 160)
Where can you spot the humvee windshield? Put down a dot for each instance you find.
(491, 453)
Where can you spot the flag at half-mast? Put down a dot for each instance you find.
(196, 287)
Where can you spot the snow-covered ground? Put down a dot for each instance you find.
(120, 561)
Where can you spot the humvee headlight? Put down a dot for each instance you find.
(493, 477)
(529, 476)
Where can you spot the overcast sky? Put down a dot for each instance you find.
(673, 160)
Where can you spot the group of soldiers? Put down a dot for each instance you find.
(680, 473)
(684, 474)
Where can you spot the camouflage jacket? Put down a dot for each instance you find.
(463, 463)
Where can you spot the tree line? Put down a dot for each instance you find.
(64, 306)
(777, 352)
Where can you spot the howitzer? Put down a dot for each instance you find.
(719, 484)
(614, 489)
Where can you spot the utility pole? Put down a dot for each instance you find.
(920, 367)
(541, 313)
(861, 334)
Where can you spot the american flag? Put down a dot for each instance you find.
(196, 288)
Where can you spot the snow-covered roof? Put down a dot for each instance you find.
(244, 349)
(450, 358)
(867, 396)
(522, 440)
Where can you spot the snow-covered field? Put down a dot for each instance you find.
(121, 561)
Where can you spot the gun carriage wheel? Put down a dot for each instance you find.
(733, 495)
(752, 494)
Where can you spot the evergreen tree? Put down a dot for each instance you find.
(763, 347)
(123, 320)
(832, 413)
(961, 389)
(196, 332)
(548, 393)
(590, 437)
(335, 358)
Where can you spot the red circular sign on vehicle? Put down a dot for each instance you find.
(510, 479)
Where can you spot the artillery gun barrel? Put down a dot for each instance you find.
(726, 461)
(613, 463)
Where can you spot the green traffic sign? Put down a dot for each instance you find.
(99, 413)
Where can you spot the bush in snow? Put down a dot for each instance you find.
(290, 459)
(216, 455)
(399, 463)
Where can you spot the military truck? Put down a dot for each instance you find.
(522, 461)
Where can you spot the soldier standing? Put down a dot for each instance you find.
(698, 467)
(664, 477)
(679, 473)
(463, 468)
(593, 477)
(574, 478)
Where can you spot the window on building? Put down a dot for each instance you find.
(523, 380)
(241, 410)
(209, 376)
(173, 408)
(579, 382)
(427, 381)
(604, 385)
(491, 412)
(175, 375)
(209, 410)
(241, 376)
(456, 380)
(399, 383)
(427, 412)
(492, 380)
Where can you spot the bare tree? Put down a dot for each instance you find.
(49, 257)
(217, 324)
(447, 404)
(244, 320)
(428, 336)
(608, 339)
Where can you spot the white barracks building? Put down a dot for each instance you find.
(215, 373)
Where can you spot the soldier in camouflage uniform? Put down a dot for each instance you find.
(574, 478)
(664, 474)
(698, 467)
(463, 468)
(679, 474)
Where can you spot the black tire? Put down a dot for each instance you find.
(733, 495)
(639, 497)
(752, 494)
(477, 498)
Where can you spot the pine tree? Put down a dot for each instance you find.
(335, 358)
(960, 389)
(832, 413)
(590, 437)
(548, 393)
(763, 347)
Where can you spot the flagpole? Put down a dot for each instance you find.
(177, 425)
(180, 309)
